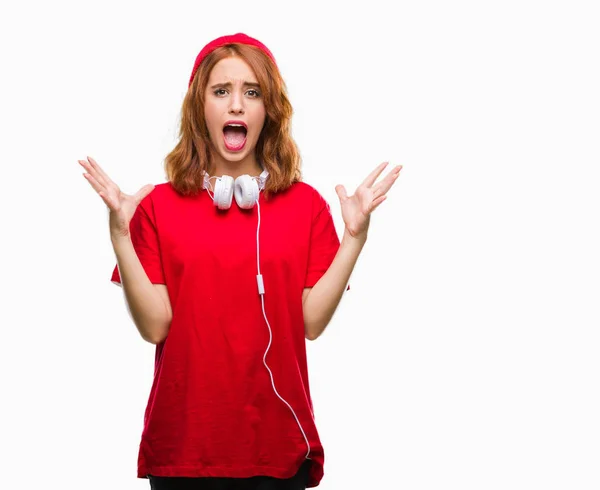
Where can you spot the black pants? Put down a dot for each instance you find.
(297, 482)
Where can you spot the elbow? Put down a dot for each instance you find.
(157, 333)
(312, 332)
(153, 338)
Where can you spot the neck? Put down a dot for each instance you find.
(248, 166)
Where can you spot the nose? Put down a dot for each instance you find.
(236, 105)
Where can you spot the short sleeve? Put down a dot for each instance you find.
(144, 237)
(324, 242)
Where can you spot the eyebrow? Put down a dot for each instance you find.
(229, 85)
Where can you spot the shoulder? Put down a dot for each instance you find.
(302, 186)
(159, 200)
(162, 192)
(304, 199)
(306, 192)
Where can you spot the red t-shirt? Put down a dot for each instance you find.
(212, 410)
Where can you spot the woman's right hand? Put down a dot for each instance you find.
(121, 206)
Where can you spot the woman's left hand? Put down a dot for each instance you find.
(357, 208)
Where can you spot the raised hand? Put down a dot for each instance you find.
(357, 208)
(121, 206)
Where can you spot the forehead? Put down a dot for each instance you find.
(232, 69)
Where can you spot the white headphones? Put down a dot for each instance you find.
(245, 188)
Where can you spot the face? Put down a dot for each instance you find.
(234, 110)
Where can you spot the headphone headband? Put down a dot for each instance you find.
(261, 179)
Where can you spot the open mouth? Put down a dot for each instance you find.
(234, 135)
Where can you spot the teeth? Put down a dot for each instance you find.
(235, 125)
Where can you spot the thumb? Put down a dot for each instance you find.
(341, 192)
(143, 192)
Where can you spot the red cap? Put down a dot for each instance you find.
(222, 41)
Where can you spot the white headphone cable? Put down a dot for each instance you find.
(261, 292)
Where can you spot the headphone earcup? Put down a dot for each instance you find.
(223, 192)
(246, 191)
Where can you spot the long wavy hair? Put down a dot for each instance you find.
(275, 149)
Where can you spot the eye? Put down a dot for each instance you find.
(220, 91)
(253, 93)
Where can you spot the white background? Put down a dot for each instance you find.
(466, 354)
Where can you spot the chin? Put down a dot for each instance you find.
(234, 157)
(237, 156)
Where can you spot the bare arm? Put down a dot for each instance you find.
(148, 303)
(320, 302)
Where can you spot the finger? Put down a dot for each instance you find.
(375, 204)
(102, 173)
(101, 191)
(385, 185)
(94, 183)
(93, 171)
(341, 192)
(372, 177)
(107, 201)
(143, 192)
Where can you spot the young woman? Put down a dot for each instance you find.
(228, 291)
